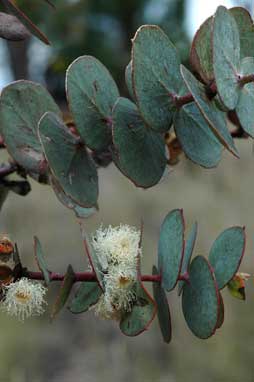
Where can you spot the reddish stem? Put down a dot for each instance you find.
(82, 276)
(183, 100)
(91, 276)
(185, 277)
(211, 90)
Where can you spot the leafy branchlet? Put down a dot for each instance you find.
(171, 110)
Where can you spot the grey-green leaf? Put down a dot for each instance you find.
(246, 31)
(200, 300)
(196, 138)
(142, 314)
(226, 56)
(171, 248)
(156, 76)
(215, 118)
(244, 108)
(86, 296)
(201, 55)
(69, 161)
(64, 292)
(226, 254)
(91, 93)
(22, 104)
(80, 212)
(140, 151)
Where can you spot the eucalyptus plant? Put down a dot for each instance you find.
(171, 110)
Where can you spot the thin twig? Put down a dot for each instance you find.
(82, 276)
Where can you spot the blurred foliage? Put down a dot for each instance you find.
(103, 29)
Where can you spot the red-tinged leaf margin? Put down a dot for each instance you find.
(193, 242)
(88, 254)
(64, 292)
(221, 313)
(243, 251)
(194, 57)
(148, 295)
(152, 301)
(14, 10)
(41, 261)
(154, 305)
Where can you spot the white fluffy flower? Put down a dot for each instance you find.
(24, 298)
(117, 249)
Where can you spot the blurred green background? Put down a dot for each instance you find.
(83, 348)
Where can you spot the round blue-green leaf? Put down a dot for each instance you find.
(171, 248)
(226, 254)
(201, 55)
(226, 56)
(246, 30)
(69, 161)
(80, 212)
(163, 309)
(215, 118)
(22, 104)
(91, 93)
(128, 80)
(156, 76)
(244, 108)
(196, 138)
(187, 255)
(140, 151)
(86, 296)
(200, 300)
(142, 314)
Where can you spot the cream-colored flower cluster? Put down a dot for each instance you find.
(117, 250)
(24, 298)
